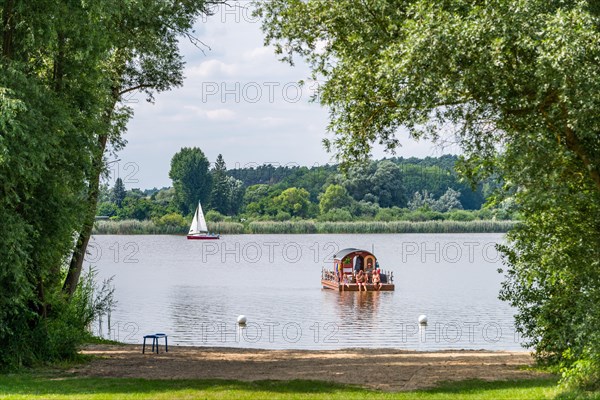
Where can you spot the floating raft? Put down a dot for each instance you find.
(342, 276)
(353, 287)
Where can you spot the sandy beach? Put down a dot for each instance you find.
(382, 369)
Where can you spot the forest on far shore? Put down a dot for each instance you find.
(393, 189)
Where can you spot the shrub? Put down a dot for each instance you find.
(336, 214)
(173, 220)
(58, 336)
(214, 216)
(460, 215)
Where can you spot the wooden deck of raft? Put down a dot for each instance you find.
(353, 287)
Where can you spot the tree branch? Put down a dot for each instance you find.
(134, 88)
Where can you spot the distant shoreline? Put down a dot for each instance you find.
(134, 227)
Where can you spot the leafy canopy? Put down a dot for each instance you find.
(517, 84)
(191, 178)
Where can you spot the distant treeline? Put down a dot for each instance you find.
(431, 174)
(396, 189)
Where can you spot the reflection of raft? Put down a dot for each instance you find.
(343, 268)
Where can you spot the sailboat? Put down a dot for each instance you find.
(199, 230)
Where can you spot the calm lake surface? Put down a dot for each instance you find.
(195, 290)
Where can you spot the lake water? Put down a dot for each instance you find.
(195, 290)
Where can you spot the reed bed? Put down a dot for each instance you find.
(416, 227)
(282, 227)
(134, 227)
(226, 227)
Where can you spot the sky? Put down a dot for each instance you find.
(237, 100)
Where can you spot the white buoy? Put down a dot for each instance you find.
(241, 319)
(423, 319)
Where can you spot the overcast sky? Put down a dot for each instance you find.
(237, 100)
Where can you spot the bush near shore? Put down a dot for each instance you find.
(134, 227)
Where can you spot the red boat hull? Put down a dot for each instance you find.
(207, 237)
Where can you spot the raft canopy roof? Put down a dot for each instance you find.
(345, 252)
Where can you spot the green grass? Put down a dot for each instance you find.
(22, 386)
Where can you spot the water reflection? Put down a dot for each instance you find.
(362, 307)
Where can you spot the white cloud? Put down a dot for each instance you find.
(211, 69)
(270, 122)
(279, 127)
(219, 114)
(259, 53)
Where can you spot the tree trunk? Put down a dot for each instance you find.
(8, 27)
(76, 265)
(575, 145)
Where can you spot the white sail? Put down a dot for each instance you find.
(199, 223)
(202, 227)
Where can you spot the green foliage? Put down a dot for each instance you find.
(336, 214)
(583, 374)
(390, 214)
(364, 209)
(397, 179)
(425, 201)
(387, 185)
(64, 66)
(227, 192)
(135, 208)
(118, 192)
(173, 221)
(107, 209)
(59, 337)
(460, 215)
(258, 201)
(522, 74)
(214, 216)
(421, 201)
(191, 179)
(375, 182)
(235, 195)
(219, 196)
(448, 201)
(293, 201)
(558, 295)
(44, 160)
(164, 197)
(335, 196)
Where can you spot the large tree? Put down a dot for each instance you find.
(191, 178)
(517, 84)
(142, 55)
(118, 192)
(50, 107)
(219, 196)
(335, 196)
(64, 68)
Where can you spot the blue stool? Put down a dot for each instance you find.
(155, 338)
